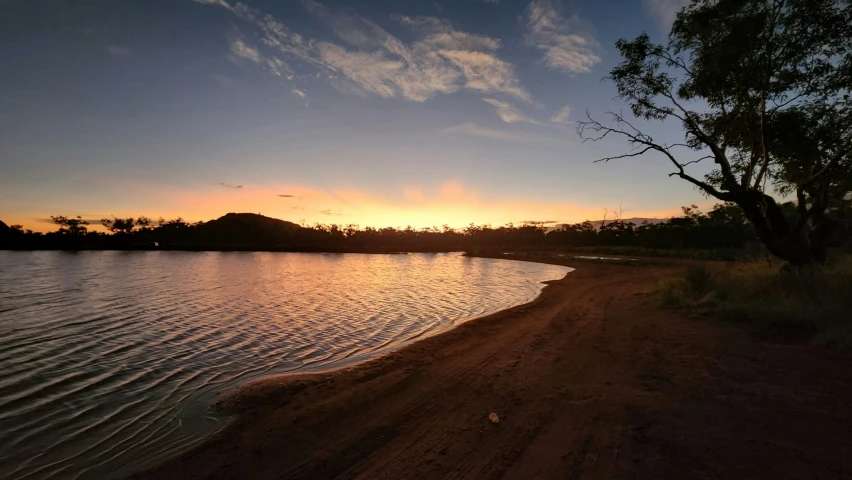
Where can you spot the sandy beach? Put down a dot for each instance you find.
(590, 380)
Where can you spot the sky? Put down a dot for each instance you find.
(368, 112)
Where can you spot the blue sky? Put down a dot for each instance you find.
(368, 112)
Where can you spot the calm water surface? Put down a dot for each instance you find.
(108, 360)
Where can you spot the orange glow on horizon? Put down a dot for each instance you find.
(451, 203)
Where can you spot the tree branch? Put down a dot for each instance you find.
(695, 129)
(764, 154)
(639, 138)
(832, 162)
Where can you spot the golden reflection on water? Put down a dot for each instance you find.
(108, 359)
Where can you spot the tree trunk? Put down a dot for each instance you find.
(801, 247)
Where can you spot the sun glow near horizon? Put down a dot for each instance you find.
(450, 203)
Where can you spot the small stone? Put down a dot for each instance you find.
(494, 418)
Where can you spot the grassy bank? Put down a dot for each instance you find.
(781, 304)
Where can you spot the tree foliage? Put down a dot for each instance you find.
(760, 88)
(75, 227)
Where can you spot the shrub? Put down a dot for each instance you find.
(787, 304)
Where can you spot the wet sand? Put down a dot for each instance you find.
(591, 380)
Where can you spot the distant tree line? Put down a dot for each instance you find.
(725, 227)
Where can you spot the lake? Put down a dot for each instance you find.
(109, 360)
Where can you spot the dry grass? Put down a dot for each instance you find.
(782, 304)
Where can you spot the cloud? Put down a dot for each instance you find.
(371, 61)
(240, 49)
(562, 115)
(221, 3)
(471, 128)
(664, 11)
(275, 65)
(286, 196)
(299, 93)
(117, 51)
(229, 186)
(329, 212)
(509, 113)
(440, 34)
(486, 73)
(566, 41)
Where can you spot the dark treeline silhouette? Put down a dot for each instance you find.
(723, 228)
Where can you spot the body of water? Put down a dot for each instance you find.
(109, 360)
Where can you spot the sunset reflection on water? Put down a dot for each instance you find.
(109, 359)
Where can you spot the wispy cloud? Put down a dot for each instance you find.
(242, 50)
(664, 11)
(329, 212)
(226, 185)
(299, 93)
(486, 73)
(372, 61)
(471, 128)
(286, 196)
(117, 51)
(221, 3)
(562, 115)
(509, 113)
(566, 41)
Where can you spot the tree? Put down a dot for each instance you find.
(761, 88)
(143, 222)
(74, 227)
(119, 225)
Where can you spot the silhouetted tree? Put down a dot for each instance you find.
(119, 225)
(75, 227)
(143, 222)
(761, 88)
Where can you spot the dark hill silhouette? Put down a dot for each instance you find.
(249, 229)
(4, 230)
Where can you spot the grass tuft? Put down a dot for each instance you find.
(787, 305)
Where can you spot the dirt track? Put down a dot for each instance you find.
(589, 381)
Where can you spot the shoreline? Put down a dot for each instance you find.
(572, 377)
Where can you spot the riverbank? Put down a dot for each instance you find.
(591, 380)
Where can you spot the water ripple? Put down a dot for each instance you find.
(108, 360)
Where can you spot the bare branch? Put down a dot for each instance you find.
(696, 161)
(677, 145)
(640, 138)
(724, 196)
(606, 159)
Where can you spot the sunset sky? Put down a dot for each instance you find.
(381, 113)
